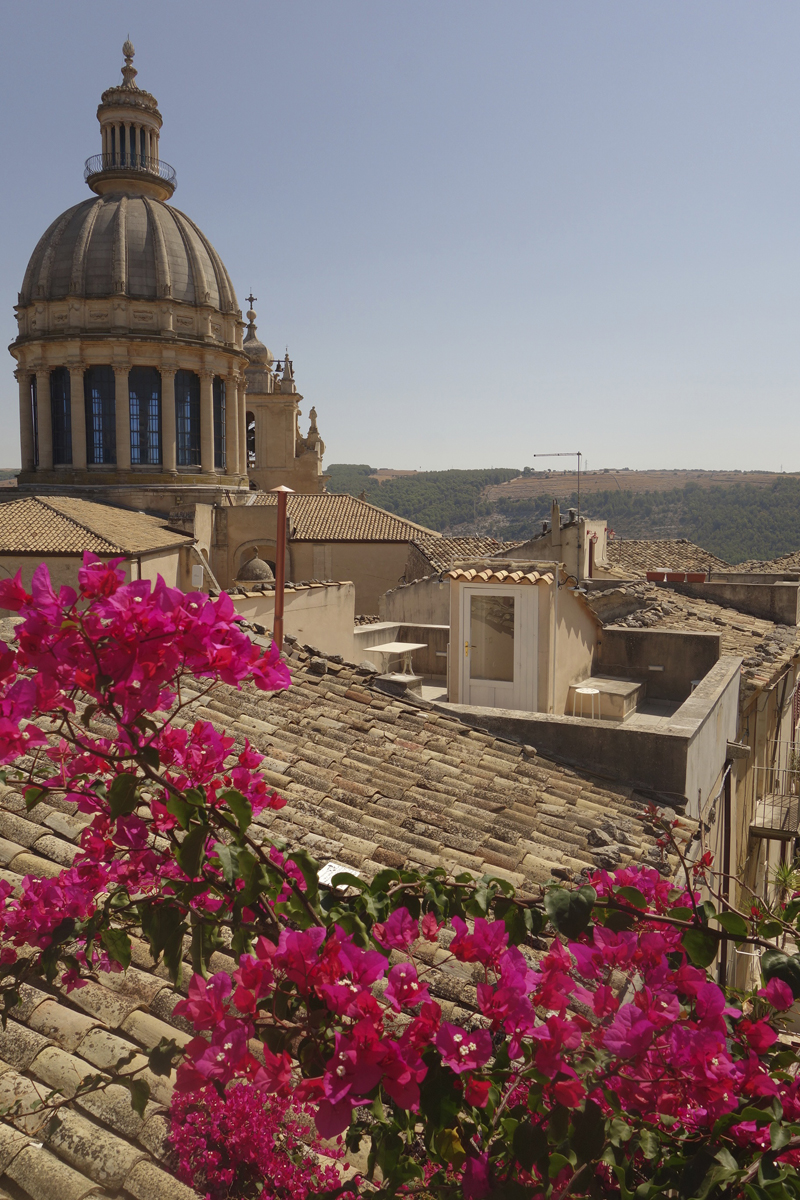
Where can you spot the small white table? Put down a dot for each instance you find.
(591, 693)
(402, 650)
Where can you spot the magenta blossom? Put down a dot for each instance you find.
(462, 1051)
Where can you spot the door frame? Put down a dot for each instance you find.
(526, 641)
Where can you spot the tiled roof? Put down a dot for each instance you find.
(638, 557)
(786, 562)
(67, 525)
(336, 517)
(370, 781)
(766, 648)
(440, 552)
(492, 576)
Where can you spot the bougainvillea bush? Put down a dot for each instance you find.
(602, 1058)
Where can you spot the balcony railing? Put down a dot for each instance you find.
(130, 162)
(776, 812)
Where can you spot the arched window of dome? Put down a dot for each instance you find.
(144, 391)
(187, 418)
(250, 424)
(61, 415)
(219, 423)
(101, 420)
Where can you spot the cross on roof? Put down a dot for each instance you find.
(251, 299)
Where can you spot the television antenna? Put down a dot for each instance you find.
(568, 454)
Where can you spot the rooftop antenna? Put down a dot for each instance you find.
(568, 454)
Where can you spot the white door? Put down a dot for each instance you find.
(499, 636)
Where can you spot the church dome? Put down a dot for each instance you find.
(255, 571)
(122, 244)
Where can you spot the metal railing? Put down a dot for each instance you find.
(776, 809)
(130, 162)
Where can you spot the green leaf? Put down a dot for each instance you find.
(632, 895)
(779, 1136)
(345, 879)
(33, 795)
(122, 797)
(619, 1131)
(448, 1146)
(229, 861)
(118, 945)
(190, 852)
(241, 808)
(651, 1146)
(161, 1056)
(769, 928)
(589, 1132)
(513, 916)
(139, 1090)
(570, 912)
(529, 1143)
(700, 946)
(180, 810)
(681, 914)
(556, 1164)
(732, 923)
(777, 965)
(150, 756)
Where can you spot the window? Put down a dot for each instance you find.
(144, 391)
(142, 157)
(187, 418)
(61, 413)
(35, 421)
(101, 419)
(219, 423)
(250, 422)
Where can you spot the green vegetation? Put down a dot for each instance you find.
(739, 522)
(436, 499)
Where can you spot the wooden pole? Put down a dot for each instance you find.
(280, 566)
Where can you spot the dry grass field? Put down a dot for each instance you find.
(563, 483)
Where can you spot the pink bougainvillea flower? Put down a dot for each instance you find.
(206, 1004)
(484, 945)
(629, 1033)
(778, 994)
(759, 1034)
(477, 1091)
(462, 1051)
(398, 931)
(430, 927)
(403, 989)
(476, 1181)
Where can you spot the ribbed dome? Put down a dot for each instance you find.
(255, 571)
(127, 245)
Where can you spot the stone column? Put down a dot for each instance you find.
(122, 413)
(25, 419)
(45, 409)
(147, 151)
(169, 437)
(242, 407)
(78, 418)
(207, 422)
(231, 427)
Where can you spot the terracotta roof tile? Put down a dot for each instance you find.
(637, 557)
(370, 781)
(66, 525)
(440, 552)
(342, 518)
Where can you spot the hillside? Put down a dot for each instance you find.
(754, 515)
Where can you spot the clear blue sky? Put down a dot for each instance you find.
(483, 229)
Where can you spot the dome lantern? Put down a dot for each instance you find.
(130, 127)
